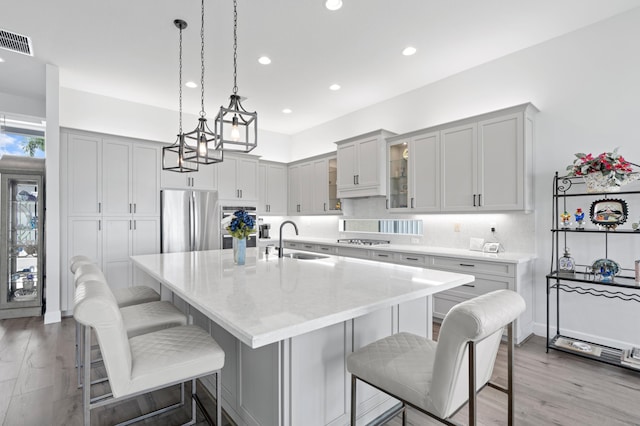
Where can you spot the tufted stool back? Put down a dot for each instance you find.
(481, 320)
(96, 307)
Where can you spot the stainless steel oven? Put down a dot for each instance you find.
(226, 240)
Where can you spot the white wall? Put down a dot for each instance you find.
(22, 105)
(97, 113)
(587, 89)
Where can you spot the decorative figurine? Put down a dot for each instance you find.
(635, 226)
(566, 220)
(566, 264)
(579, 215)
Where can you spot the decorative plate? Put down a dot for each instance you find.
(609, 213)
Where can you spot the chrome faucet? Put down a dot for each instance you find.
(280, 248)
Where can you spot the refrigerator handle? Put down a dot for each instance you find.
(192, 221)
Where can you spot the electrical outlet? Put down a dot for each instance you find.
(493, 227)
(456, 227)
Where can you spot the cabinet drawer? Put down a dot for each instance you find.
(383, 256)
(289, 244)
(307, 246)
(413, 259)
(326, 249)
(473, 266)
(352, 252)
(479, 287)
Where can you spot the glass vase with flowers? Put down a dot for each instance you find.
(240, 226)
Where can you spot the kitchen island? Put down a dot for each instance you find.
(287, 325)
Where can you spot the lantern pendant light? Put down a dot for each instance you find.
(202, 140)
(174, 157)
(236, 127)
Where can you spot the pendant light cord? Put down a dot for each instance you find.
(180, 82)
(202, 113)
(235, 47)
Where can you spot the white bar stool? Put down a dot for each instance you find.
(438, 378)
(143, 363)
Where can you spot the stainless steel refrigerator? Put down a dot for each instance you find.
(190, 220)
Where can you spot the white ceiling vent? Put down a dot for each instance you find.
(15, 42)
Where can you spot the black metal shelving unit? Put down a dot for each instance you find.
(584, 281)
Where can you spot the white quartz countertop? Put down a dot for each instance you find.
(506, 257)
(271, 299)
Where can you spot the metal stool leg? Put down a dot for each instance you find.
(353, 400)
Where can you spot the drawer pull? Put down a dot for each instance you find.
(324, 248)
(382, 255)
(307, 246)
(468, 285)
(412, 258)
(468, 264)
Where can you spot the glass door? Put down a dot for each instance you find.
(22, 243)
(334, 201)
(398, 175)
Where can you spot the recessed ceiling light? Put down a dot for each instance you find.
(191, 84)
(287, 111)
(264, 60)
(408, 51)
(334, 87)
(333, 4)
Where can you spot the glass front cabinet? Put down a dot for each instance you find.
(398, 175)
(21, 239)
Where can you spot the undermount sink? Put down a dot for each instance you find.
(305, 256)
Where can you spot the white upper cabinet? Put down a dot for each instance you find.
(84, 174)
(487, 163)
(361, 165)
(272, 189)
(238, 178)
(414, 172)
(460, 168)
(145, 184)
(312, 186)
(204, 179)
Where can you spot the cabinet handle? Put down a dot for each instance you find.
(411, 258)
(99, 225)
(130, 226)
(307, 246)
(324, 206)
(412, 202)
(135, 225)
(474, 200)
(479, 200)
(468, 285)
(357, 179)
(468, 264)
(130, 208)
(241, 193)
(298, 208)
(99, 207)
(354, 179)
(384, 255)
(324, 248)
(387, 204)
(135, 207)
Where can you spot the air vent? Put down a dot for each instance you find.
(15, 42)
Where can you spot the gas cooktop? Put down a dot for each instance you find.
(362, 242)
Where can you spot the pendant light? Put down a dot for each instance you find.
(174, 157)
(236, 127)
(202, 139)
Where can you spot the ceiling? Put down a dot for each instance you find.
(129, 49)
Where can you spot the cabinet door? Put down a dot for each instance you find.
(320, 186)
(145, 239)
(145, 186)
(332, 170)
(347, 166)
(501, 163)
(116, 249)
(368, 162)
(459, 168)
(276, 190)
(116, 178)
(247, 178)
(205, 178)
(294, 189)
(227, 187)
(306, 188)
(424, 185)
(263, 201)
(84, 171)
(84, 237)
(175, 180)
(398, 154)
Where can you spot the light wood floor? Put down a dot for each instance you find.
(38, 386)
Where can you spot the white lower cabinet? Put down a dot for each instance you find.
(303, 380)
